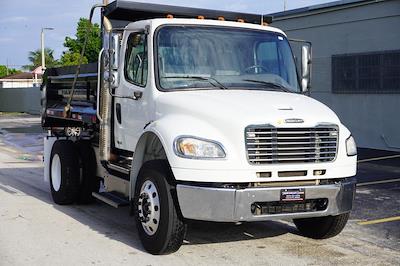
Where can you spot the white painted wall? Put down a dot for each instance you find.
(19, 83)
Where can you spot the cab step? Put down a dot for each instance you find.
(111, 198)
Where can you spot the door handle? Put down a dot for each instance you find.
(118, 112)
(137, 95)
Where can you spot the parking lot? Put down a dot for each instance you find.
(33, 230)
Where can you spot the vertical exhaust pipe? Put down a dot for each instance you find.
(104, 105)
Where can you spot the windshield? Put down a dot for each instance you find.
(193, 57)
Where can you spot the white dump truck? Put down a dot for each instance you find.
(194, 114)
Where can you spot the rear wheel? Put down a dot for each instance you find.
(88, 182)
(64, 172)
(322, 227)
(160, 226)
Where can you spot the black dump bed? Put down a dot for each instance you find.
(57, 84)
(123, 12)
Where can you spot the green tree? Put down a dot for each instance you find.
(3, 71)
(35, 57)
(72, 59)
(75, 45)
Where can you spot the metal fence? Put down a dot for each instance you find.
(25, 100)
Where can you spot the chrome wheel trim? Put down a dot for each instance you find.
(149, 207)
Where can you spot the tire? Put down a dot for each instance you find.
(64, 172)
(322, 227)
(89, 182)
(165, 234)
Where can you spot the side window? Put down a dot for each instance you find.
(136, 59)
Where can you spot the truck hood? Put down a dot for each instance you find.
(246, 107)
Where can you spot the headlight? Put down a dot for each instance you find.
(351, 146)
(196, 148)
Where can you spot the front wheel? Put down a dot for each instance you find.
(160, 226)
(322, 227)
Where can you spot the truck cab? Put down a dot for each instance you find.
(197, 115)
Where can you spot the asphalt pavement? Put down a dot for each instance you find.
(35, 231)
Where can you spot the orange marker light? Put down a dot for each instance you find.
(240, 20)
(221, 18)
(200, 17)
(170, 16)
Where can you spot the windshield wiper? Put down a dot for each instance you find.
(269, 84)
(217, 83)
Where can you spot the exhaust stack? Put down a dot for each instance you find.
(105, 102)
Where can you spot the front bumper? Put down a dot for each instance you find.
(234, 205)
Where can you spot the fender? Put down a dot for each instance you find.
(139, 156)
(165, 130)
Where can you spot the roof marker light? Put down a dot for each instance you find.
(221, 18)
(170, 16)
(240, 20)
(200, 17)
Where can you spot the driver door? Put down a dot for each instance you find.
(130, 113)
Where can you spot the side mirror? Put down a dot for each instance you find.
(114, 59)
(115, 47)
(112, 41)
(306, 67)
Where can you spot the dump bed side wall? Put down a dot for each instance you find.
(56, 88)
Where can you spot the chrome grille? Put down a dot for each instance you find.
(268, 145)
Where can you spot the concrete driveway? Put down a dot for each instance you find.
(35, 231)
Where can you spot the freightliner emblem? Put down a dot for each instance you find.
(294, 120)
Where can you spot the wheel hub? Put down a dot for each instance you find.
(149, 207)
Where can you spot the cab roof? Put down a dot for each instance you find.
(156, 23)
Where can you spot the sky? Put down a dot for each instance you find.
(22, 20)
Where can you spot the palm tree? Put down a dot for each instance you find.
(35, 57)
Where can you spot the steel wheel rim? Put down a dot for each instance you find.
(56, 172)
(149, 207)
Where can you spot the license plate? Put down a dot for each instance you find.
(290, 195)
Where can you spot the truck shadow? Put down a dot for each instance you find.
(208, 232)
(116, 224)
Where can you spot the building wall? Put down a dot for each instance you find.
(15, 83)
(372, 118)
(25, 100)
